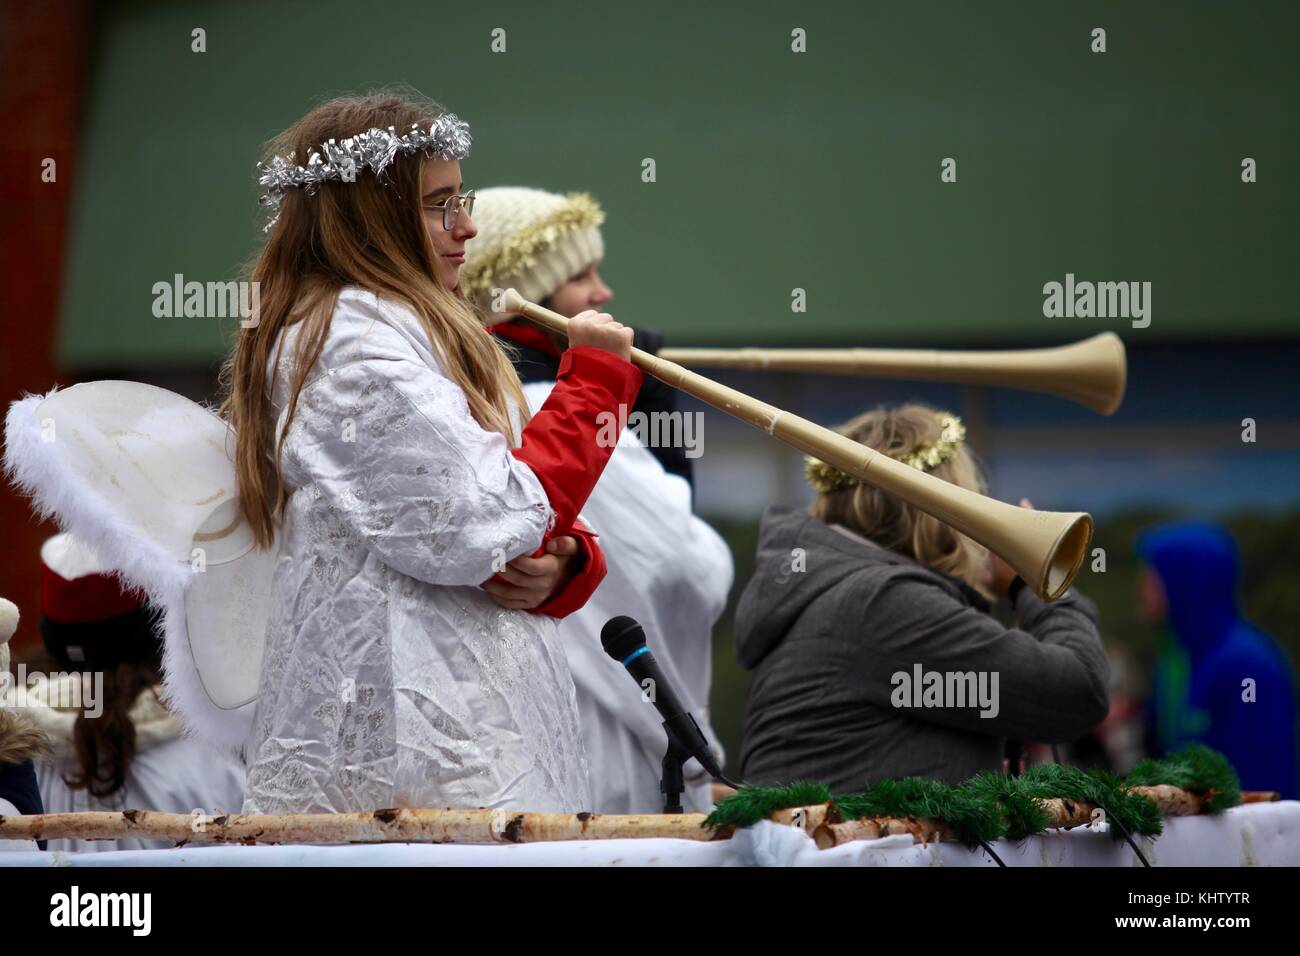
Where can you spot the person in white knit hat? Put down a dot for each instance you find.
(534, 241)
(549, 248)
(667, 568)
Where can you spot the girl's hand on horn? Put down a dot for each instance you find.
(599, 330)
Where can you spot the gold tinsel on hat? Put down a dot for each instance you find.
(523, 247)
(827, 478)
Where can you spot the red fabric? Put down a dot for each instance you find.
(45, 59)
(560, 443)
(525, 333)
(85, 600)
(582, 585)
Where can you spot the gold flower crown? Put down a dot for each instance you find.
(827, 478)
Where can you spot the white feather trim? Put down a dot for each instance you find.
(34, 465)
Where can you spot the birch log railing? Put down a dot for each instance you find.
(482, 826)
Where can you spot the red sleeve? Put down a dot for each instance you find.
(583, 584)
(568, 442)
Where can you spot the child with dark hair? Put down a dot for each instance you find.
(113, 744)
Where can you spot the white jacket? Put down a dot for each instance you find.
(169, 772)
(390, 679)
(177, 776)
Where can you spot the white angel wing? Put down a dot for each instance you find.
(145, 478)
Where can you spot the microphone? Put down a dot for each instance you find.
(624, 640)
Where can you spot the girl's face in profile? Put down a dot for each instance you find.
(440, 188)
(584, 291)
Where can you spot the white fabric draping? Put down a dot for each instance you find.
(1262, 834)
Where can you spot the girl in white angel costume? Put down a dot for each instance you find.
(428, 529)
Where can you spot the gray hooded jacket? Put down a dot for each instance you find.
(867, 665)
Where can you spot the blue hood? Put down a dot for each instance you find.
(1197, 563)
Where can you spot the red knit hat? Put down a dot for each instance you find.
(78, 588)
(87, 614)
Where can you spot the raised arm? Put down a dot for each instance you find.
(1051, 670)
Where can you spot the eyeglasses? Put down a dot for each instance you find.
(451, 208)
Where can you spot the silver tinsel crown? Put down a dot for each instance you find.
(447, 138)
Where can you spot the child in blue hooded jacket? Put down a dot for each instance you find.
(1221, 681)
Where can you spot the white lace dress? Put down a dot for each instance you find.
(389, 678)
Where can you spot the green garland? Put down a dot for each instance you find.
(748, 805)
(1195, 768)
(1016, 798)
(991, 805)
(974, 818)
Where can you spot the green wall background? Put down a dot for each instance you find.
(775, 170)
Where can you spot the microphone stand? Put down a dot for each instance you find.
(672, 784)
(681, 731)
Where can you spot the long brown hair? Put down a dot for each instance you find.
(365, 233)
(891, 522)
(106, 745)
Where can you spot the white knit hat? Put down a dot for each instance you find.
(532, 240)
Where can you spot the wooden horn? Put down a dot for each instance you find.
(1091, 372)
(1046, 548)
